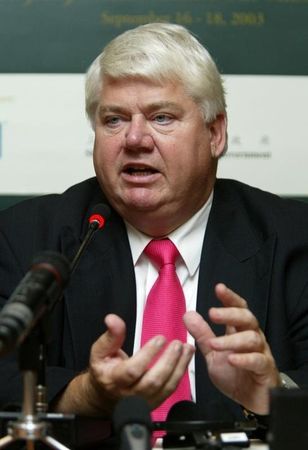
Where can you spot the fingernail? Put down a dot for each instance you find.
(177, 347)
(159, 341)
(217, 311)
(188, 351)
(216, 343)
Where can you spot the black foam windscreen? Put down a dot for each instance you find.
(183, 410)
(131, 410)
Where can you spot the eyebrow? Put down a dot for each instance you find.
(164, 105)
(102, 109)
(156, 106)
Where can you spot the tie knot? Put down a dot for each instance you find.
(162, 251)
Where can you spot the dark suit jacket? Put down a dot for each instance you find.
(255, 242)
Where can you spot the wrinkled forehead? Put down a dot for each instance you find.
(156, 90)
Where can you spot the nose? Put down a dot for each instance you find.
(138, 135)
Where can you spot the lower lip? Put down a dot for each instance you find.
(140, 179)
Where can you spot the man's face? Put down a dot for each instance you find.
(152, 153)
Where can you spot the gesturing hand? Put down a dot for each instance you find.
(240, 363)
(116, 375)
(112, 374)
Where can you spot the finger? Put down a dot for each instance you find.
(170, 367)
(199, 329)
(163, 378)
(245, 341)
(239, 318)
(112, 340)
(229, 297)
(180, 369)
(259, 363)
(156, 376)
(131, 370)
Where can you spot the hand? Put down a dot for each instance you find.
(240, 363)
(113, 375)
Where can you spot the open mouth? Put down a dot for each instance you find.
(139, 171)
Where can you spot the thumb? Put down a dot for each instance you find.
(110, 342)
(199, 329)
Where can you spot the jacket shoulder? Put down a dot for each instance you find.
(74, 201)
(36, 224)
(233, 189)
(263, 209)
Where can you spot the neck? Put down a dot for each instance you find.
(158, 225)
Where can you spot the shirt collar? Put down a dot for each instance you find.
(188, 238)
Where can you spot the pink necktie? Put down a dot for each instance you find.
(164, 309)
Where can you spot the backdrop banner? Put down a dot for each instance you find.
(46, 46)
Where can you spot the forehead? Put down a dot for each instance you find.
(144, 91)
(142, 95)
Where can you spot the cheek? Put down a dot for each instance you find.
(105, 152)
(191, 155)
(103, 165)
(195, 167)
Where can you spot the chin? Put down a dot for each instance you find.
(141, 207)
(141, 203)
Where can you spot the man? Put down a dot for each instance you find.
(156, 103)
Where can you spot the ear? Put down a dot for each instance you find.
(218, 135)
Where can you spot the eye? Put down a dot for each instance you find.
(163, 119)
(111, 121)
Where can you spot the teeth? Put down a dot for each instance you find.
(143, 170)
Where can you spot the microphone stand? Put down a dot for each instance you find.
(29, 427)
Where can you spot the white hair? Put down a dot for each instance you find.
(159, 52)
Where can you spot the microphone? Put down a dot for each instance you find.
(187, 426)
(183, 416)
(100, 213)
(48, 275)
(184, 427)
(42, 287)
(183, 411)
(132, 422)
(191, 413)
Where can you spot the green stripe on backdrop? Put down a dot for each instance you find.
(9, 200)
(64, 36)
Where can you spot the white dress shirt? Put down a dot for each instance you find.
(189, 240)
